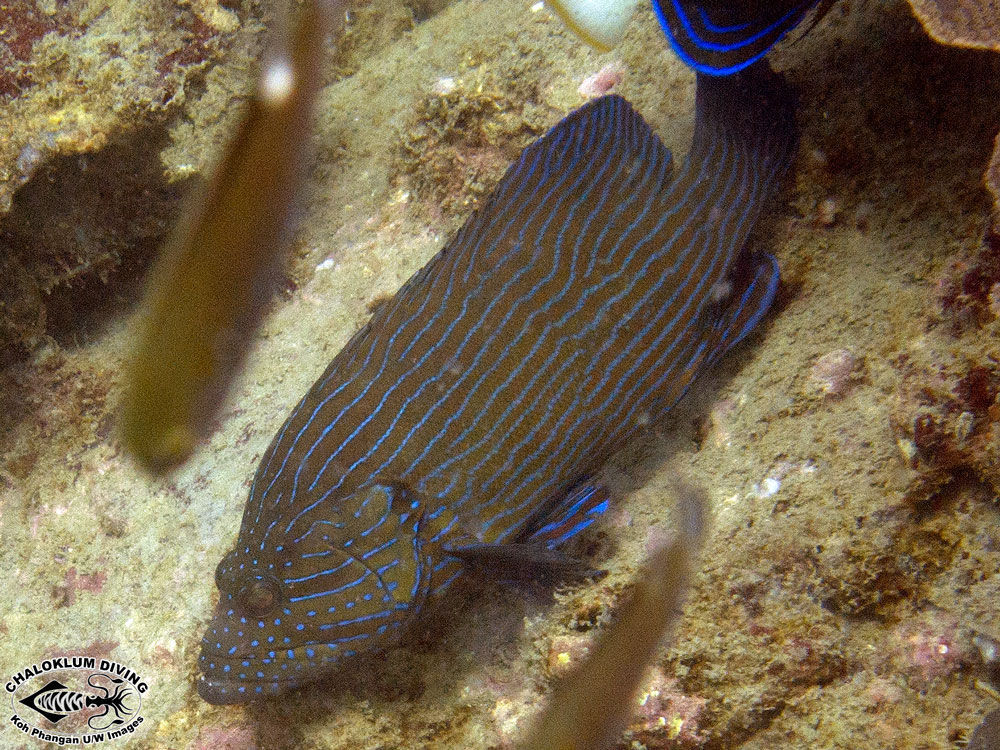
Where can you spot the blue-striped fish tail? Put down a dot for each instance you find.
(722, 37)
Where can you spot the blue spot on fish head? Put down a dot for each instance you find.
(337, 581)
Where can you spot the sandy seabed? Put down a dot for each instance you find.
(848, 566)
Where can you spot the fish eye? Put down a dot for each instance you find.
(259, 597)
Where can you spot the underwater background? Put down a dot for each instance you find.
(849, 450)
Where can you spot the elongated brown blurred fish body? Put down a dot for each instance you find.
(459, 426)
(589, 707)
(215, 277)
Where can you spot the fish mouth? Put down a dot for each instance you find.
(223, 692)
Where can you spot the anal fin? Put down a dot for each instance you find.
(534, 555)
(522, 561)
(578, 510)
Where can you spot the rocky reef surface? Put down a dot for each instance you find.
(850, 449)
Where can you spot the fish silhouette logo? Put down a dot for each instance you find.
(55, 701)
(76, 700)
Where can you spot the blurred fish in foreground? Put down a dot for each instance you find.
(214, 279)
(986, 736)
(600, 23)
(589, 709)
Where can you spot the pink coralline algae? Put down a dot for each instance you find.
(225, 738)
(827, 212)
(666, 716)
(968, 293)
(927, 649)
(883, 691)
(602, 81)
(74, 582)
(832, 373)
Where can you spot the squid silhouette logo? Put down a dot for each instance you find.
(76, 700)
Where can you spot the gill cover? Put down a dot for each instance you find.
(333, 588)
(363, 567)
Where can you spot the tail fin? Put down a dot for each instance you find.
(722, 39)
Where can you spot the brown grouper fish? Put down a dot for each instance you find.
(463, 424)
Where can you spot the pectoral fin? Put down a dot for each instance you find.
(522, 561)
(754, 283)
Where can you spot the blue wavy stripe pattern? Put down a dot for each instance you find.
(573, 308)
(720, 38)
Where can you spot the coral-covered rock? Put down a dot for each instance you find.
(665, 716)
(87, 93)
(966, 23)
(947, 416)
(464, 133)
(567, 652)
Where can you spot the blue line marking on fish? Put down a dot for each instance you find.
(722, 37)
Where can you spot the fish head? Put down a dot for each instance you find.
(313, 592)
